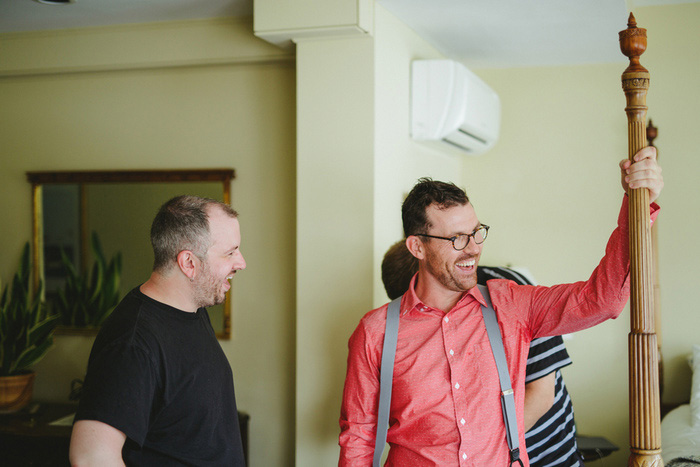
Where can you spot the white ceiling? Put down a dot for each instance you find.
(518, 33)
(504, 33)
(479, 33)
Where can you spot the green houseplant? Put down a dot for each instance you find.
(26, 334)
(87, 300)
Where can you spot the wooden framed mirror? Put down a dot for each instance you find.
(117, 207)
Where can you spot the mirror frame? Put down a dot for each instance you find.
(37, 179)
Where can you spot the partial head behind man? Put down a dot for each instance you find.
(398, 268)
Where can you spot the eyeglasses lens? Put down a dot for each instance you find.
(480, 235)
(461, 241)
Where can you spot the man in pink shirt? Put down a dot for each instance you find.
(445, 405)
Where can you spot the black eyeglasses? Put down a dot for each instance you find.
(460, 242)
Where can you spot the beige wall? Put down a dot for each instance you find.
(334, 225)
(550, 190)
(399, 161)
(202, 94)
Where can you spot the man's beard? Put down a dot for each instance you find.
(447, 277)
(208, 290)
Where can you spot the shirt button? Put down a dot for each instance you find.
(464, 455)
(452, 352)
(462, 421)
(457, 386)
(447, 320)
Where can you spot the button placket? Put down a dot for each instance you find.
(454, 364)
(451, 351)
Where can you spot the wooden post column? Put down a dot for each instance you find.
(645, 420)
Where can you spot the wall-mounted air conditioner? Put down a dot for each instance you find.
(453, 106)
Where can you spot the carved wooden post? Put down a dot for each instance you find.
(645, 432)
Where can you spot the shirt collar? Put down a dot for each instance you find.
(411, 301)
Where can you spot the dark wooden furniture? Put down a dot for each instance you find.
(28, 439)
(593, 448)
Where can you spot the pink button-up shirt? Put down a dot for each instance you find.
(445, 407)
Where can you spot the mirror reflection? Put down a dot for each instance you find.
(91, 237)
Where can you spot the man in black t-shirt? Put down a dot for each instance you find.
(159, 389)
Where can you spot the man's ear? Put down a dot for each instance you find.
(415, 246)
(187, 261)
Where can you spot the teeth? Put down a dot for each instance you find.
(229, 277)
(466, 264)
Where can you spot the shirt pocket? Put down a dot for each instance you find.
(485, 363)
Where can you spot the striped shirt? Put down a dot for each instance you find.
(552, 440)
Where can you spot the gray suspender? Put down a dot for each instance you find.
(386, 375)
(387, 370)
(499, 354)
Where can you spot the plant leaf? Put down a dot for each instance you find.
(31, 355)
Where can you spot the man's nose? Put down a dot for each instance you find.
(240, 264)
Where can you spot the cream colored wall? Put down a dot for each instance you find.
(197, 94)
(550, 190)
(673, 105)
(334, 224)
(399, 161)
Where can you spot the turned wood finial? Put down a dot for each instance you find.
(633, 43)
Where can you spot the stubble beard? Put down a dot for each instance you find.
(447, 275)
(207, 289)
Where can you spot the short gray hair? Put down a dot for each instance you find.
(182, 223)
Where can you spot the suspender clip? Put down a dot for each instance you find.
(515, 456)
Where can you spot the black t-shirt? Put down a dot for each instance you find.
(159, 375)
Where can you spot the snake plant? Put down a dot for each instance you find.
(26, 328)
(87, 300)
